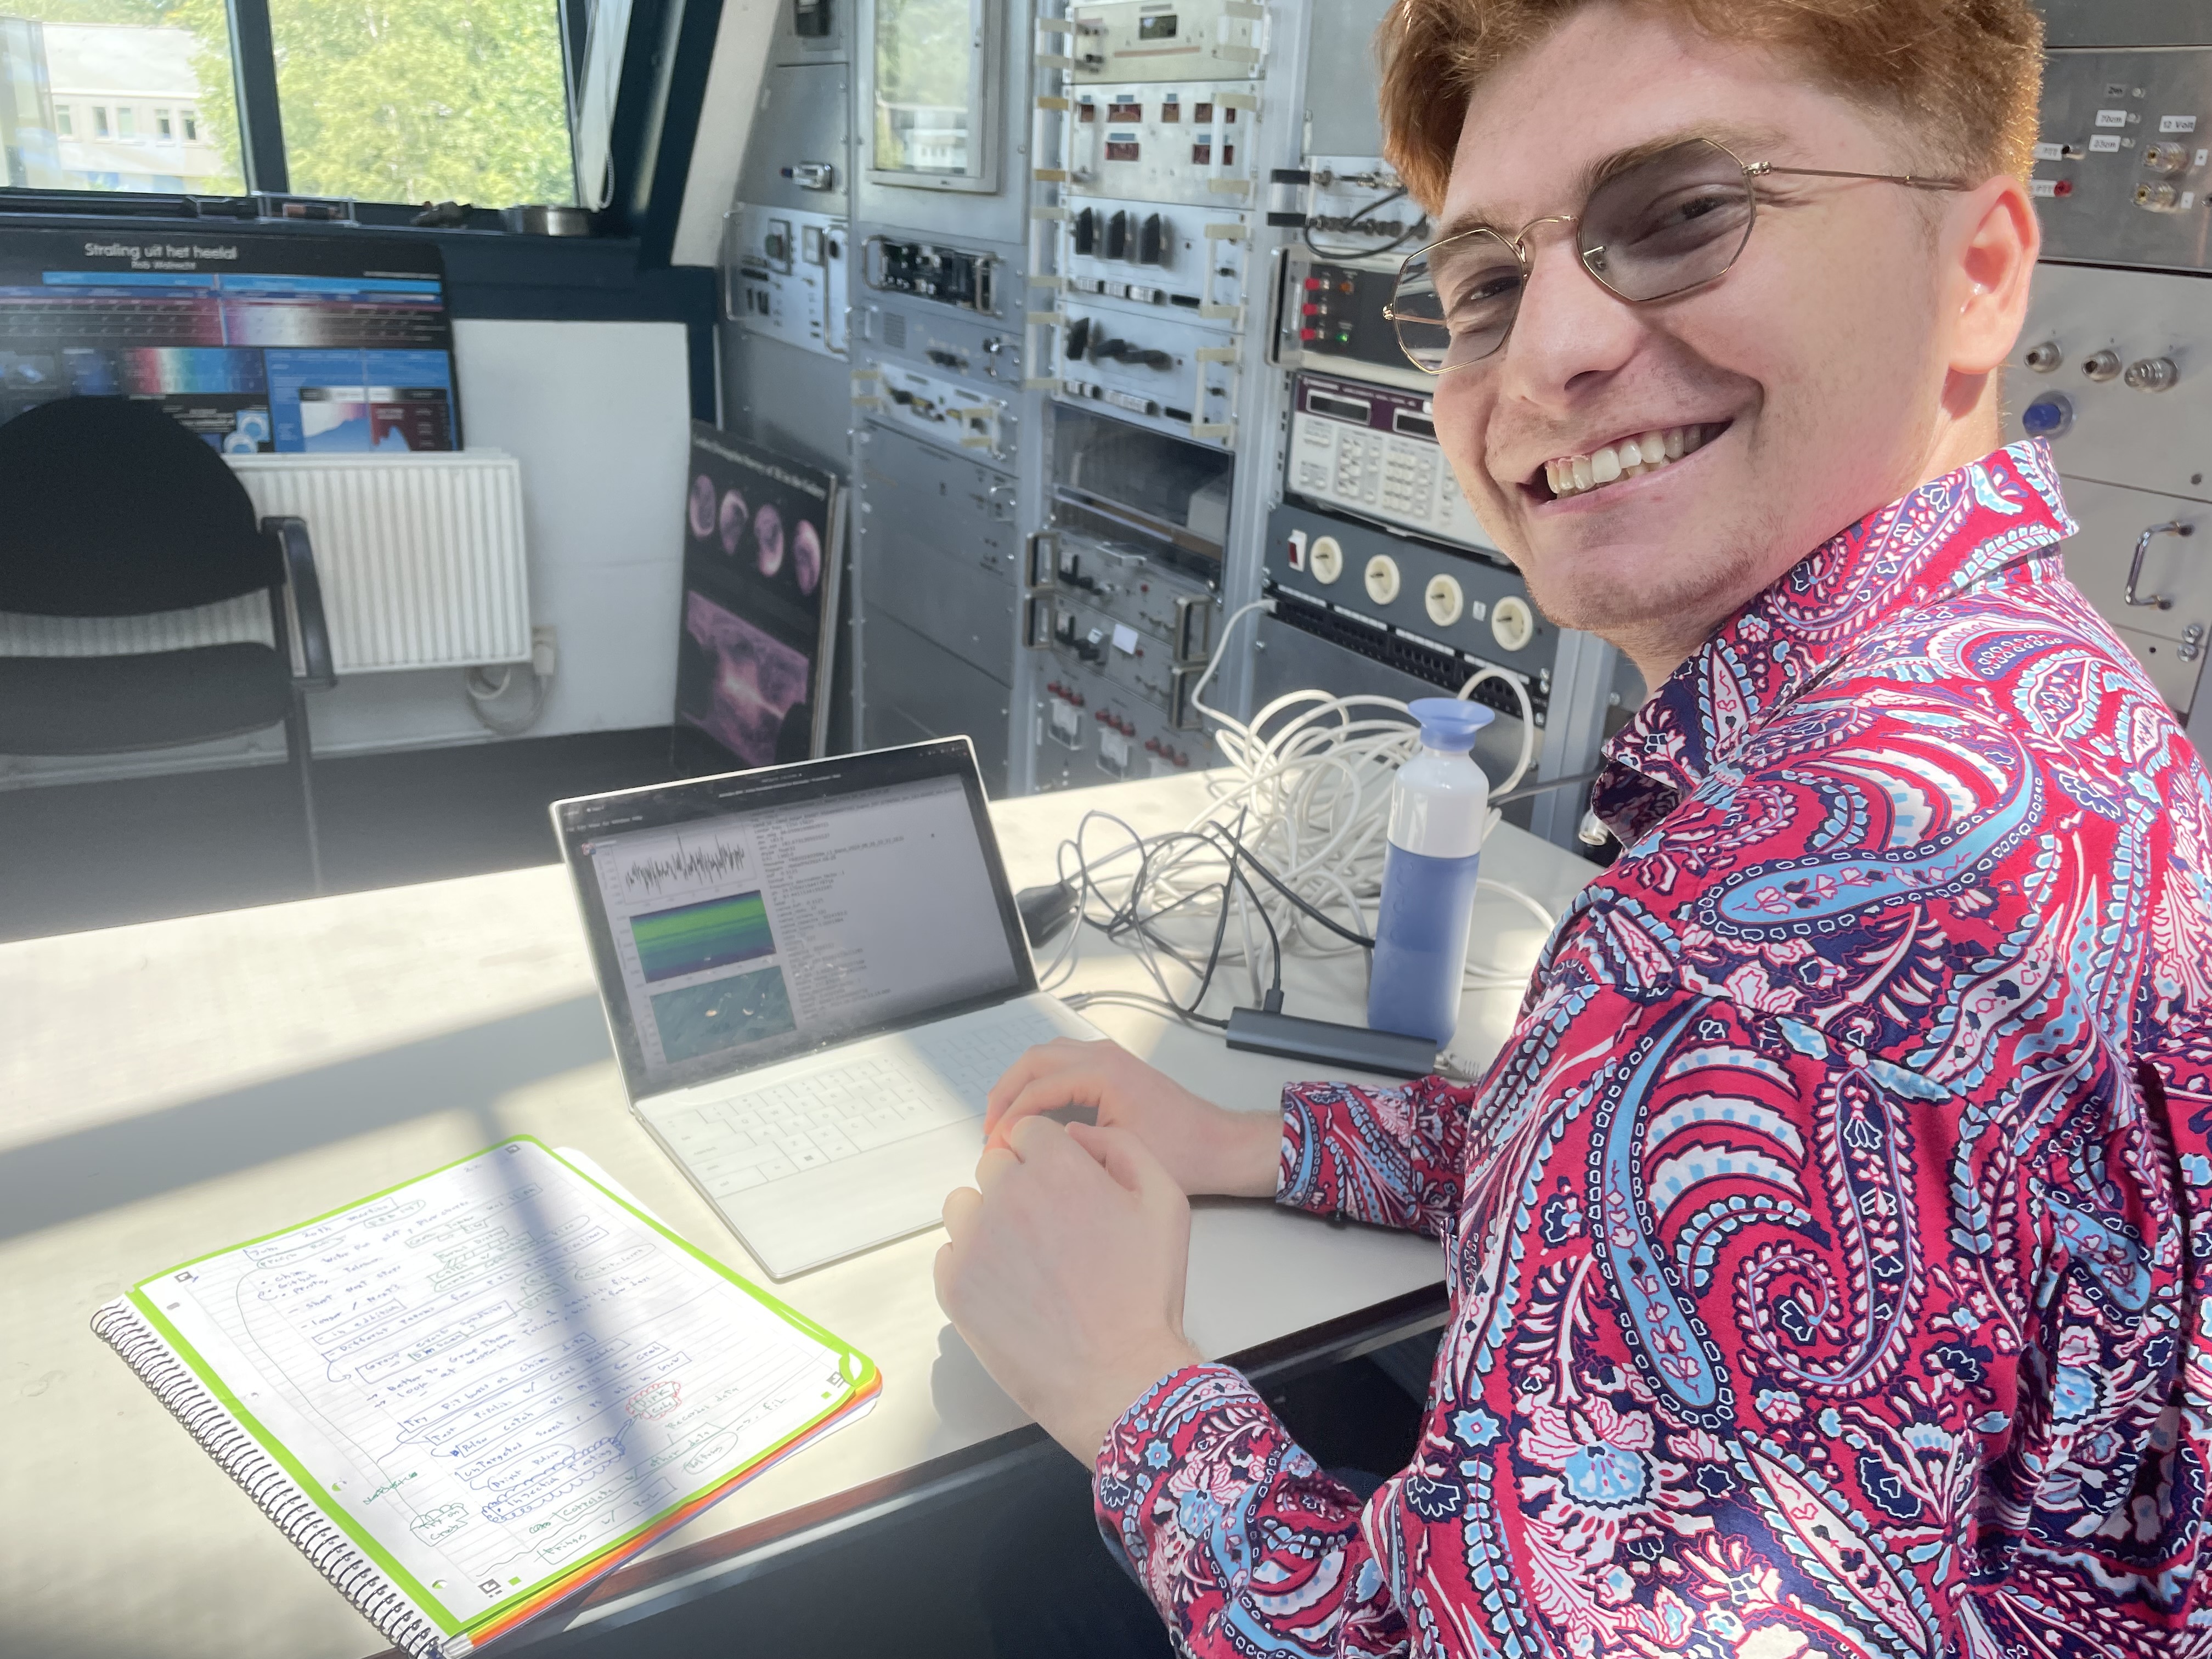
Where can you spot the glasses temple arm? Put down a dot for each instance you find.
(1761, 169)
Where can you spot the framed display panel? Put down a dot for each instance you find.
(930, 78)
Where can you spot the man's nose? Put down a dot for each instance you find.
(1569, 329)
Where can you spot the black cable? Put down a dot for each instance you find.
(1221, 924)
(1325, 920)
(1274, 938)
(1420, 222)
(1525, 790)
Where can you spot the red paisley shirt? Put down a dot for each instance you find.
(1828, 1248)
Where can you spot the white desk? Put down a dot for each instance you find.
(173, 1088)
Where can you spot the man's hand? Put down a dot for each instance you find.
(1065, 1273)
(1205, 1148)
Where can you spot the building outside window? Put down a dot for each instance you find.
(408, 101)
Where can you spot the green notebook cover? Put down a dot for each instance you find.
(464, 1397)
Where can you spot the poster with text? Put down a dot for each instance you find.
(761, 535)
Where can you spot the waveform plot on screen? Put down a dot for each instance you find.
(693, 938)
(695, 863)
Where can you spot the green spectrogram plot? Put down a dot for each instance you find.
(723, 1013)
(693, 938)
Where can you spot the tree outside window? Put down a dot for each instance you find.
(392, 100)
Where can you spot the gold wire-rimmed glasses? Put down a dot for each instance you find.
(1661, 226)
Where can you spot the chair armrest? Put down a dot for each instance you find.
(307, 591)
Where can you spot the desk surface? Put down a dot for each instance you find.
(172, 1088)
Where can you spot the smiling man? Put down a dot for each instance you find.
(1830, 1247)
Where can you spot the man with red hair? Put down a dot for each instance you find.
(1830, 1247)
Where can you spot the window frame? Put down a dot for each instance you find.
(262, 158)
(666, 58)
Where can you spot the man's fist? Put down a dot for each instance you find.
(1064, 1270)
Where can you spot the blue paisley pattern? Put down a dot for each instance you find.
(1828, 1247)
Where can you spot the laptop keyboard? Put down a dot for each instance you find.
(922, 1080)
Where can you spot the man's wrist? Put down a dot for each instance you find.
(1084, 1417)
(1252, 1155)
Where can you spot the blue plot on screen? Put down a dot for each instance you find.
(693, 938)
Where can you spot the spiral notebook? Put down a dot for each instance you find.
(466, 1397)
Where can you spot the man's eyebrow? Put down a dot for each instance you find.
(1746, 144)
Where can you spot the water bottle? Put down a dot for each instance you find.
(1438, 805)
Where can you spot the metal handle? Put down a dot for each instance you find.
(2171, 527)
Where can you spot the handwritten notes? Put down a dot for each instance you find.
(500, 1371)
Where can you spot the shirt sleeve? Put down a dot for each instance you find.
(1192, 1485)
(1391, 1156)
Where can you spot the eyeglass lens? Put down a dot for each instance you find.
(1663, 226)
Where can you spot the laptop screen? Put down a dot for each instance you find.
(739, 919)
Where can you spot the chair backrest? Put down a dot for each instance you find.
(110, 508)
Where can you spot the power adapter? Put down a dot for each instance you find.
(1270, 1031)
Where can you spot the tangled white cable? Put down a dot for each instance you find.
(1290, 849)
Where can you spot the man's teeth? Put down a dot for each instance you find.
(1571, 475)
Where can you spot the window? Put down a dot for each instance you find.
(403, 100)
(932, 68)
(95, 59)
(415, 101)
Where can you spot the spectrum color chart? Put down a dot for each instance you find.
(693, 938)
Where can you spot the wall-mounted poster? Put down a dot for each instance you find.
(262, 344)
(761, 535)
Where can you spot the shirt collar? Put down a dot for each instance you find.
(1949, 535)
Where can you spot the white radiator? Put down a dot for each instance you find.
(421, 558)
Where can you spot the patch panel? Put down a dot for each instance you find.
(1437, 616)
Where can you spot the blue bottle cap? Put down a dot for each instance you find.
(1449, 724)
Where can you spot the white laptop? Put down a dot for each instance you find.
(812, 975)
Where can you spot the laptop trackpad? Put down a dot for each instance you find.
(875, 1196)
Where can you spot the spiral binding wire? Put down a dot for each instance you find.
(241, 1457)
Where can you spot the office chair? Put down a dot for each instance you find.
(109, 508)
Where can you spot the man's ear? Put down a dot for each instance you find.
(1992, 247)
